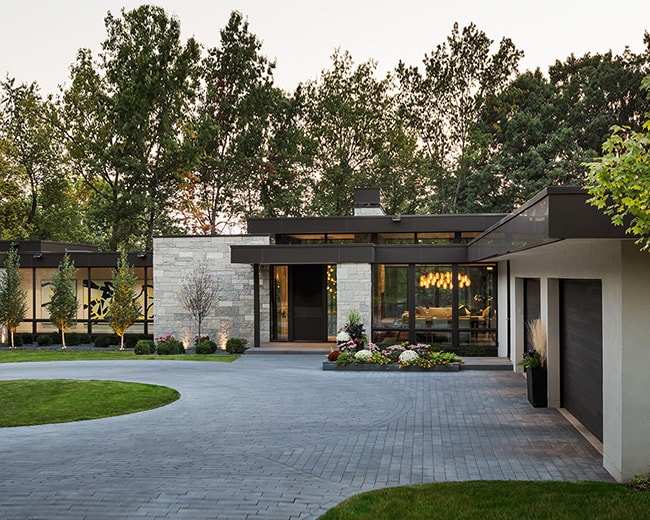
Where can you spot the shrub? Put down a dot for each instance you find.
(18, 340)
(72, 339)
(206, 346)
(131, 340)
(236, 345)
(640, 483)
(105, 340)
(144, 347)
(170, 347)
(26, 338)
(44, 339)
(84, 338)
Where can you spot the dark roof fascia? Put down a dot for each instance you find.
(348, 253)
(44, 246)
(556, 213)
(94, 259)
(373, 224)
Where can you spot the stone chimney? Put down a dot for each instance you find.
(367, 201)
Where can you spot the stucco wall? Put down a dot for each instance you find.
(624, 272)
(233, 315)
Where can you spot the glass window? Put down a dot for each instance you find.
(396, 238)
(476, 296)
(435, 238)
(433, 296)
(339, 238)
(390, 308)
(302, 239)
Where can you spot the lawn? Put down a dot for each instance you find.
(30, 402)
(496, 500)
(17, 356)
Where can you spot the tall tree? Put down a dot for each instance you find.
(123, 309)
(352, 119)
(241, 134)
(619, 180)
(63, 303)
(40, 199)
(125, 118)
(13, 306)
(445, 100)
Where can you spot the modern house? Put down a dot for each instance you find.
(468, 283)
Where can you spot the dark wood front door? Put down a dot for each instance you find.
(308, 306)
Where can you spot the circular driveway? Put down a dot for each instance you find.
(275, 437)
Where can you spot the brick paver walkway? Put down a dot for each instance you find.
(274, 437)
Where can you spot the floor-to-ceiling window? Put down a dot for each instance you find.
(452, 306)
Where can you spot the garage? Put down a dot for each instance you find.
(581, 352)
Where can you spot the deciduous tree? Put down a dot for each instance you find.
(63, 303)
(199, 294)
(123, 309)
(13, 305)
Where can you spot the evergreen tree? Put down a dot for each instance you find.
(63, 304)
(12, 298)
(123, 309)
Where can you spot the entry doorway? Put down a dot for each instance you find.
(300, 303)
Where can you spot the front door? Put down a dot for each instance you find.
(307, 303)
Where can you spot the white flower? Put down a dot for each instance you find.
(363, 355)
(342, 337)
(408, 356)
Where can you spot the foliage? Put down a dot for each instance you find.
(30, 402)
(531, 359)
(619, 181)
(63, 303)
(640, 483)
(13, 300)
(236, 345)
(419, 355)
(444, 102)
(123, 119)
(168, 345)
(354, 328)
(123, 309)
(106, 340)
(144, 346)
(44, 340)
(206, 346)
(495, 500)
(28, 355)
(199, 293)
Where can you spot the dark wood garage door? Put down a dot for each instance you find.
(581, 352)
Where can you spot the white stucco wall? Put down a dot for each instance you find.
(624, 272)
(233, 315)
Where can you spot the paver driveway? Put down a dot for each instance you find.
(273, 436)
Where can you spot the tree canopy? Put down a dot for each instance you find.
(157, 134)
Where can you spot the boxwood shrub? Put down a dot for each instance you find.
(206, 346)
(236, 345)
(170, 347)
(105, 340)
(144, 347)
(44, 340)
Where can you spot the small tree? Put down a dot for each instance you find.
(123, 309)
(12, 298)
(199, 293)
(63, 304)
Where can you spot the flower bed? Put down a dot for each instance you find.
(403, 356)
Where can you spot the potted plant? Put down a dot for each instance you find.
(534, 362)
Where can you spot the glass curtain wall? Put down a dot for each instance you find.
(451, 306)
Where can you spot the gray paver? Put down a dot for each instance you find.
(275, 437)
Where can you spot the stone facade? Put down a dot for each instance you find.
(354, 283)
(233, 315)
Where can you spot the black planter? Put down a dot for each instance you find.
(537, 386)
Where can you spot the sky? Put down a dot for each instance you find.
(39, 38)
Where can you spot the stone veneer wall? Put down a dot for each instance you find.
(354, 291)
(233, 316)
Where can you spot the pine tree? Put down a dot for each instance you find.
(12, 299)
(63, 304)
(123, 309)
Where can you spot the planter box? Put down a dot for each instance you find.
(374, 367)
(537, 386)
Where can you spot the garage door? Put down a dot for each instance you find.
(581, 352)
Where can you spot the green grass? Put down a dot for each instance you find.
(18, 356)
(496, 500)
(30, 402)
